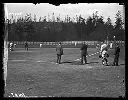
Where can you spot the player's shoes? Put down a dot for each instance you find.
(107, 65)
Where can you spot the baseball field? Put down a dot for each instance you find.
(35, 73)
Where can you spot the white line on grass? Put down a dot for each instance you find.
(41, 61)
(21, 51)
(51, 62)
(87, 56)
(17, 60)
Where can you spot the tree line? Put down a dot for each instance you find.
(93, 28)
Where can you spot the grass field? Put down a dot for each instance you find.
(35, 73)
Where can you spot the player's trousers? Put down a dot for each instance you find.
(58, 58)
(83, 59)
(116, 60)
(104, 59)
(26, 48)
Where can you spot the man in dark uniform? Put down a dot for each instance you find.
(83, 53)
(59, 51)
(117, 51)
(26, 46)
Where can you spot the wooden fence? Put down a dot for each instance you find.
(64, 43)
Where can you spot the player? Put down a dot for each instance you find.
(14, 45)
(11, 46)
(83, 53)
(40, 45)
(104, 57)
(97, 46)
(116, 59)
(75, 44)
(26, 46)
(104, 47)
(59, 51)
(111, 45)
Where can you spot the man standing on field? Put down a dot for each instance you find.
(59, 51)
(26, 46)
(116, 58)
(40, 45)
(83, 53)
(111, 45)
(11, 46)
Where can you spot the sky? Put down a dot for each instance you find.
(84, 9)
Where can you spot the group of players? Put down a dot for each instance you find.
(103, 52)
(12, 46)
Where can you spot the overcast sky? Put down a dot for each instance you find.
(104, 9)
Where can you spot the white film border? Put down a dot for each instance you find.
(5, 58)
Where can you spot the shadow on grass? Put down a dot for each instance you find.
(67, 62)
(71, 62)
(111, 64)
(76, 62)
(92, 62)
(121, 64)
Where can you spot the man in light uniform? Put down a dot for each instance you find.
(40, 45)
(75, 43)
(104, 56)
(103, 52)
(14, 45)
(11, 46)
(111, 45)
(103, 46)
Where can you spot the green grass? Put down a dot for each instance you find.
(67, 79)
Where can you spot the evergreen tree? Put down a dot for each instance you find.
(118, 29)
(109, 28)
(40, 19)
(119, 22)
(35, 18)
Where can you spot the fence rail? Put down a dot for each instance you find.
(63, 43)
